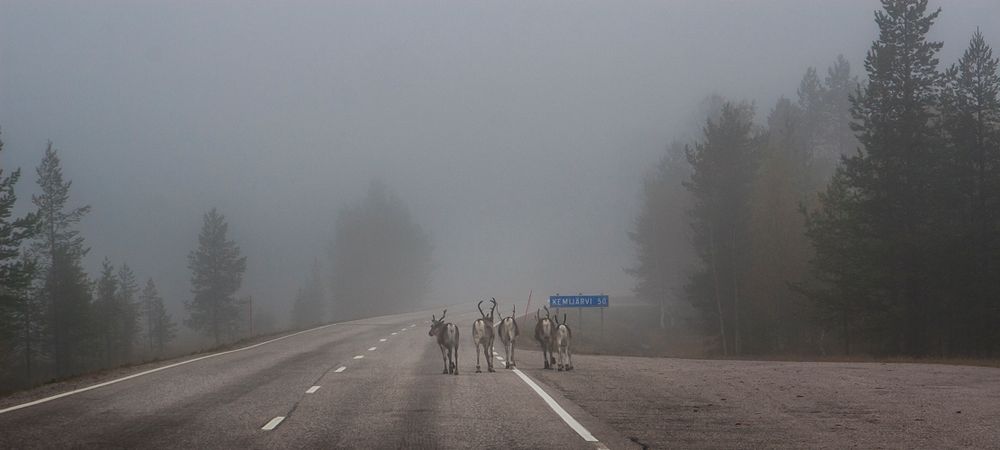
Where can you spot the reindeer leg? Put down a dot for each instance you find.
(444, 356)
(456, 360)
(512, 365)
(487, 351)
(569, 358)
(478, 370)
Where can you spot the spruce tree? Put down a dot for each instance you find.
(216, 274)
(64, 289)
(107, 313)
(19, 315)
(160, 327)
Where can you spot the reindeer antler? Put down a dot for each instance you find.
(564, 319)
(480, 306)
(494, 308)
(443, 313)
(546, 311)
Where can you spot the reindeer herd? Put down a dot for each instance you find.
(553, 336)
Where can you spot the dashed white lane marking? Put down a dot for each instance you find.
(340, 369)
(372, 349)
(382, 340)
(118, 380)
(403, 329)
(412, 325)
(273, 423)
(394, 333)
(495, 353)
(359, 356)
(500, 357)
(312, 390)
(576, 426)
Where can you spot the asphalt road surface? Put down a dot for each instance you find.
(377, 383)
(373, 383)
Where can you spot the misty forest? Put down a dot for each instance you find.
(855, 212)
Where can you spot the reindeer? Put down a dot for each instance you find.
(447, 339)
(543, 334)
(560, 340)
(508, 333)
(482, 335)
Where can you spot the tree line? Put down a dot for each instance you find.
(378, 262)
(862, 217)
(56, 322)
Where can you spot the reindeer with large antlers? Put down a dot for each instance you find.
(508, 333)
(544, 329)
(560, 340)
(447, 339)
(482, 335)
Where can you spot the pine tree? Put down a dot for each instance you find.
(971, 119)
(64, 289)
(723, 166)
(380, 257)
(885, 200)
(18, 310)
(776, 319)
(160, 327)
(217, 273)
(310, 300)
(128, 289)
(660, 235)
(838, 138)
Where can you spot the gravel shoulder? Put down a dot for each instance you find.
(685, 403)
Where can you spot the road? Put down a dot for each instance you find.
(373, 383)
(377, 383)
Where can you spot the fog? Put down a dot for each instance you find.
(517, 133)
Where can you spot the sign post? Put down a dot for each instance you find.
(580, 301)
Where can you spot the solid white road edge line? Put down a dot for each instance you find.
(312, 390)
(135, 375)
(579, 429)
(273, 423)
(340, 369)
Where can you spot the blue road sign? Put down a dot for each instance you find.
(578, 301)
